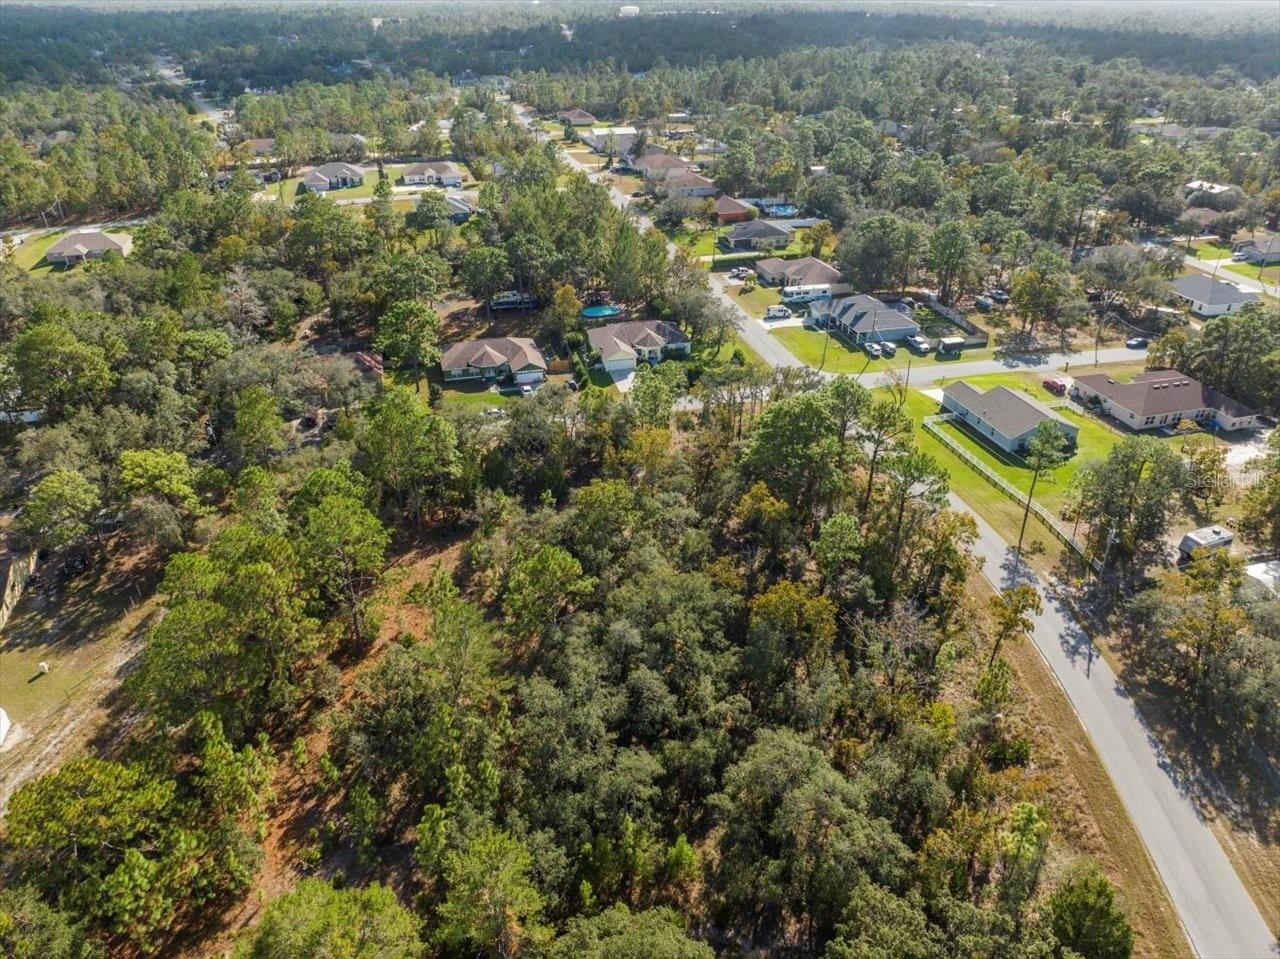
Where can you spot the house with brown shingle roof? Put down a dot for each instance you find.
(494, 358)
(686, 183)
(803, 271)
(262, 146)
(78, 247)
(657, 166)
(1004, 417)
(577, 118)
(730, 209)
(1160, 399)
(618, 346)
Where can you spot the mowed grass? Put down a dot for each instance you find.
(1269, 274)
(30, 253)
(1210, 250)
(758, 300)
(835, 354)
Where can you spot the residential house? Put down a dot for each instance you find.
(78, 247)
(687, 184)
(1209, 297)
(619, 346)
(460, 208)
(732, 210)
(433, 173)
(757, 235)
(889, 128)
(600, 138)
(495, 358)
(805, 271)
(1006, 418)
(864, 319)
(657, 166)
(261, 146)
(711, 147)
(332, 176)
(1161, 398)
(577, 118)
(1209, 538)
(1263, 252)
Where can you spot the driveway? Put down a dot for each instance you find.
(1220, 918)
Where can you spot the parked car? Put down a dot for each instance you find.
(872, 350)
(918, 343)
(526, 389)
(511, 300)
(1092, 295)
(572, 384)
(1137, 343)
(1000, 296)
(741, 272)
(984, 303)
(777, 313)
(638, 195)
(1056, 387)
(888, 349)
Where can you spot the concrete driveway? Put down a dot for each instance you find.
(1216, 910)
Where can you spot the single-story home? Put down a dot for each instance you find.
(889, 128)
(656, 166)
(620, 345)
(1264, 252)
(757, 235)
(732, 210)
(1209, 297)
(460, 208)
(1160, 398)
(433, 173)
(687, 184)
(78, 247)
(864, 319)
(577, 118)
(711, 147)
(1005, 417)
(262, 146)
(514, 356)
(599, 139)
(805, 271)
(332, 176)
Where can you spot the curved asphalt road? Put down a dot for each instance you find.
(1216, 910)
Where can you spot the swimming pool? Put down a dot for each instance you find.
(600, 312)
(781, 210)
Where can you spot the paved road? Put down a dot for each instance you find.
(1220, 918)
(1247, 282)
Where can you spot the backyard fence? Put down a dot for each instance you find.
(976, 338)
(1050, 521)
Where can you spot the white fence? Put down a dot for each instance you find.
(930, 424)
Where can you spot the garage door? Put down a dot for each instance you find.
(620, 365)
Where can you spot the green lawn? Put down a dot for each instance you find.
(476, 397)
(288, 188)
(756, 301)
(809, 347)
(693, 238)
(736, 342)
(1270, 274)
(1210, 250)
(24, 691)
(31, 252)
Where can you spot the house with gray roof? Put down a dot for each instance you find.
(1005, 418)
(1209, 297)
(656, 166)
(577, 118)
(756, 235)
(1263, 252)
(494, 358)
(433, 173)
(1160, 399)
(619, 346)
(600, 138)
(686, 183)
(863, 319)
(78, 247)
(802, 271)
(332, 176)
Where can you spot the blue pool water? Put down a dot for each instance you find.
(783, 210)
(600, 312)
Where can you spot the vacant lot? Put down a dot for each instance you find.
(757, 300)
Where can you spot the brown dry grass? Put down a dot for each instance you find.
(1087, 811)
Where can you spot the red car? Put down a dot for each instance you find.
(1056, 387)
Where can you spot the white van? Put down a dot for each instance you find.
(777, 313)
(511, 300)
(806, 294)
